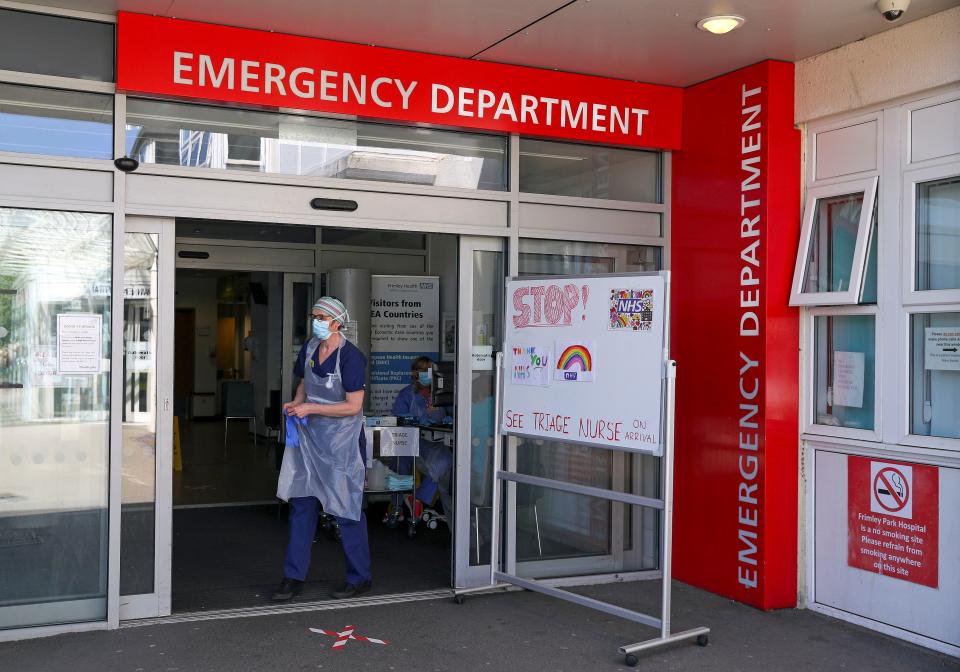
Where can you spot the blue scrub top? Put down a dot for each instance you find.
(411, 404)
(353, 372)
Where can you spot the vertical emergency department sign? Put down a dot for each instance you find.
(584, 360)
(404, 324)
(893, 519)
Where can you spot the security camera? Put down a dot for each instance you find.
(892, 10)
(127, 164)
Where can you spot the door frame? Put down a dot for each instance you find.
(158, 603)
(464, 574)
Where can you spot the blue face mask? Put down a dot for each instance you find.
(425, 378)
(321, 329)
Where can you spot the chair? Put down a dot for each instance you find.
(237, 405)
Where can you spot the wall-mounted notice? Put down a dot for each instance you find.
(848, 379)
(893, 519)
(941, 348)
(79, 343)
(404, 324)
(607, 332)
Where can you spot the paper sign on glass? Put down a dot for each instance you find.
(79, 343)
(848, 379)
(530, 365)
(941, 348)
(575, 361)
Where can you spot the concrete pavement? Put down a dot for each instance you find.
(513, 631)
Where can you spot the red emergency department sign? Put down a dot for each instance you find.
(187, 59)
(893, 517)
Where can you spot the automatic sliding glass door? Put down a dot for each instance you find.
(478, 339)
(147, 418)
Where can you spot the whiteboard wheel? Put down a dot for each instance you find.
(631, 660)
(459, 599)
(703, 640)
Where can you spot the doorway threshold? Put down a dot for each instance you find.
(292, 608)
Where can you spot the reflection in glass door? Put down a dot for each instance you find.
(146, 422)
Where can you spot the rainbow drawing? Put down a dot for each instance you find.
(575, 362)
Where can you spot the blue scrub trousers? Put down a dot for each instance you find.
(303, 529)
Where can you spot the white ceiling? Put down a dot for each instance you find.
(643, 40)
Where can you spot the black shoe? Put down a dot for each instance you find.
(349, 590)
(288, 589)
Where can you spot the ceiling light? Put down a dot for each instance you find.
(719, 25)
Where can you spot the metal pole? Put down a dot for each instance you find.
(666, 549)
(497, 461)
(701, 634)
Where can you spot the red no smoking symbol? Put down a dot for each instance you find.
(891, 489)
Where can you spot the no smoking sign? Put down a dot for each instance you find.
(891, 488)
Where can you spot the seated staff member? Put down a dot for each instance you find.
(326, 468)
(414, 401)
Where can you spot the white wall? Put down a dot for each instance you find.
(915, 57)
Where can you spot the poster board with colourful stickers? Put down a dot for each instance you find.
(584, 360)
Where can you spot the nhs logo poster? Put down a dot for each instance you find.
(631, 309)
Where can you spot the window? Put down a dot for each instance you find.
(198, 136)
(882, 336)
(563, 257)
(935, 374)
(844, 365)
(55, 123)
(838, 234)
(589, 171)
(937, 231)
(56, 45)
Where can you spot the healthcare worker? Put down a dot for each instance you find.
(415, 401)
(326, 467)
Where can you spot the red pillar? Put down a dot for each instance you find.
(736, 212)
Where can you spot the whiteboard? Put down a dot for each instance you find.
(584, 360)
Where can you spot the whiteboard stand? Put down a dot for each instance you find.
(502, 580)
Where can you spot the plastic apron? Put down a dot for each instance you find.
(327, 464)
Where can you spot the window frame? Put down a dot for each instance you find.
(905, 436)
(808, 402)
(850, 296)
(911, 179)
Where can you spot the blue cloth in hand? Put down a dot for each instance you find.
(293, 431)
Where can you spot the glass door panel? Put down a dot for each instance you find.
(55, 349)
(147, 451)
(139, 483)
(478, 339)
